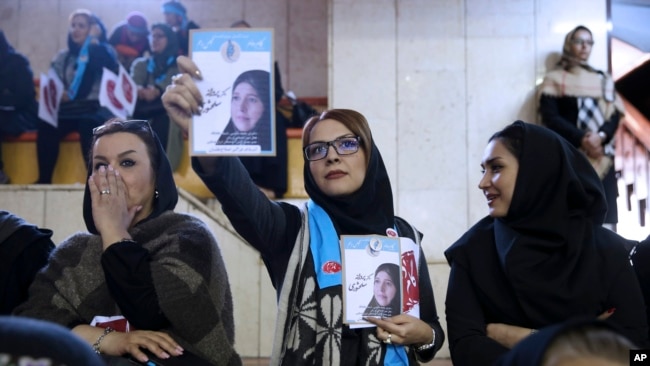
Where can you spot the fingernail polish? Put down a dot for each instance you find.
(611, 310)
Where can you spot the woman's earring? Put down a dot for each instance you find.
(156, 194)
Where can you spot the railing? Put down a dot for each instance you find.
(633, 159)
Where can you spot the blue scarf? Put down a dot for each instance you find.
(151, 66)
(322, 236)
(82, 61)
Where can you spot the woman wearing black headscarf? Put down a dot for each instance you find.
(152, 75)
(541, 256)
(350, 194)
(139, 260)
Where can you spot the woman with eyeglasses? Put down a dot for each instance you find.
(152, 74)
(143, 278)
(350, 194)
(80, 68)
(540, 257)
(580, 103)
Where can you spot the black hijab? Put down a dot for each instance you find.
(369, 210)
(546, 245)
(165, 184)
(555, 183)
(546, 242)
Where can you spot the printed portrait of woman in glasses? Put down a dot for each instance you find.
(250, 112)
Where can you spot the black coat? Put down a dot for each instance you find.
(18, 106)
(24, 250)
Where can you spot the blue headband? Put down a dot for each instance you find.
(171, 8)
(178, 10)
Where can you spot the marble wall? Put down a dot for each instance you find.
(38, 29)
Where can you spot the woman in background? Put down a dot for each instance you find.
(176, 18)
(80, 68)
(152, 74)
(581, 105)
(129, 38)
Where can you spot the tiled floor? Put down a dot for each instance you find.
(265, 362)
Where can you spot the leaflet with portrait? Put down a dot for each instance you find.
(379, 278)
(371, 278)
(238, 113)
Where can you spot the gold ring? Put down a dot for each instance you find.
(388, 340)
(106, 191)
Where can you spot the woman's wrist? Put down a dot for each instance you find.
(98, 343)
(426, 346)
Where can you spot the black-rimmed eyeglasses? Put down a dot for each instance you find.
(582, 42)
(130, 125)
(343, 145)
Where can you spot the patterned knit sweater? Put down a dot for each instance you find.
(189, 276)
